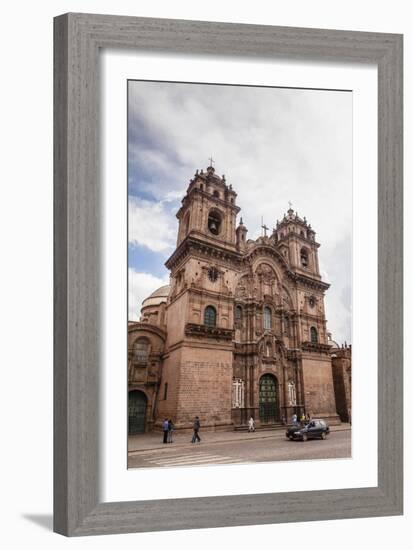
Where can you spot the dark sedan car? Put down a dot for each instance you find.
(313, 430)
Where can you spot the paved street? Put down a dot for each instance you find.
(233, 448)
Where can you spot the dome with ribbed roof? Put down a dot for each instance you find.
(159, 296)
(332, 342)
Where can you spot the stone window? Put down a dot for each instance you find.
(238, 314)
(313, 335)
(216, 194)
(210, 316)
(141, 350)
(238, 390)
(267, 318)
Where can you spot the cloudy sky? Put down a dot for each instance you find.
(274, 145)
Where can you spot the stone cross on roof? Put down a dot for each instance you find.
(264, 227)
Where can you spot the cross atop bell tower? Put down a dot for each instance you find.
(209, 209)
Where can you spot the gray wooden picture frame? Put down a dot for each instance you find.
(78, 39)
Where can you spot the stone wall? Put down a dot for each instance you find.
(199, 384)
(341, 360)
(318, 385)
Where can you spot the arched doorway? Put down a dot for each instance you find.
(137, 404)
(269, 406)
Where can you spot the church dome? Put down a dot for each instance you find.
(332, 342)
(159, 296)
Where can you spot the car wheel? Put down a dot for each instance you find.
(305, 437)
(290, 437)
(323, 435)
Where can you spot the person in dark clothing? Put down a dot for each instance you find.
(165, 428)
(197, 427)
(170, 430)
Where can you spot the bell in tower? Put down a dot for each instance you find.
(214, 223)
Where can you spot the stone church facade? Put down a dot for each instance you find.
(241, 329)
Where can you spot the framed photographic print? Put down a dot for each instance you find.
(228, 274)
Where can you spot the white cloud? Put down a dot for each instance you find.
(141, 285)
(151, 224)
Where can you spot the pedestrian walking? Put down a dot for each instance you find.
(302, 419)
(165, 428)
(294, 419)
(170, 430)
(197, 427)
(251, 425)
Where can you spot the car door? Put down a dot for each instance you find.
(318, 428)
(311, 429)
(323, 428)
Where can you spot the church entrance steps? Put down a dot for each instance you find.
(262, 428)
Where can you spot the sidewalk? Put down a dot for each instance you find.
(153, 441)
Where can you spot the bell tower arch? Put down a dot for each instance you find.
(208, 209)
(296, 240)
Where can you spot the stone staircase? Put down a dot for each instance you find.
(262, 428)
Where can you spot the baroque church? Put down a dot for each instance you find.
(241, 329)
